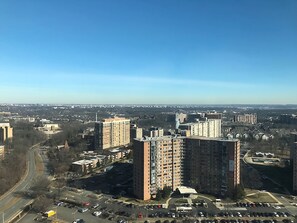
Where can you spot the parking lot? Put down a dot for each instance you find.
(113, 210)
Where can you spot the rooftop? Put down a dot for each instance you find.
(186, 190)
(83, 162)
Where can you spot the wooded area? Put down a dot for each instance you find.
(13, 166)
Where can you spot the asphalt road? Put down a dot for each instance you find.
(11, 203)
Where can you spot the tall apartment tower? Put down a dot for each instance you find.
(214, 165)
(211, 165)
(293, 157)
(157, 162)
(112, 132)
(6, 132)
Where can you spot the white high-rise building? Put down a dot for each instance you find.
(210, 128)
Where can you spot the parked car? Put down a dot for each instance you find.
(97, 213)
(82, 210)
(79, 220)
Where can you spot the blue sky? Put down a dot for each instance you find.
(153, 51)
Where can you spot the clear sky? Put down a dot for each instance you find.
(148, 51)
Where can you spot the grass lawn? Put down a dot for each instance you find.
(261, 197)
(250, 191)
(281, 175)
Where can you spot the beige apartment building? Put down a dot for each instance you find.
(6, 132)
(112, 132)
(246, 118)
(136, 132)
(156, 132)
(212, 165)
(208, 128)
(157, 163)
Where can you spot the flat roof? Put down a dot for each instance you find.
(168, 137)
(186, 190)
(115, 150)
(82, 162)
(214, 139)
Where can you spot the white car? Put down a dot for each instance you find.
(82, 210)
(95, 206)
(97, 213)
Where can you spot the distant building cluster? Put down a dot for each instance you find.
(112, 132)
(48, 127)
(257, 136)
(246, 118)
(90, 159)
(209, 164)
(208, 128)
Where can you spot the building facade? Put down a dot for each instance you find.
(136, 132)
(6, 132)
(112, 132)
(157, 163)
(246, 118)
(213, 165)
(156, 132)
(185, 161)
(208, 128)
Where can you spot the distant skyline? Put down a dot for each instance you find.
(148, 52)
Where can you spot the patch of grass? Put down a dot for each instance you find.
(181, 201)
(261, 197)
(250, 191)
